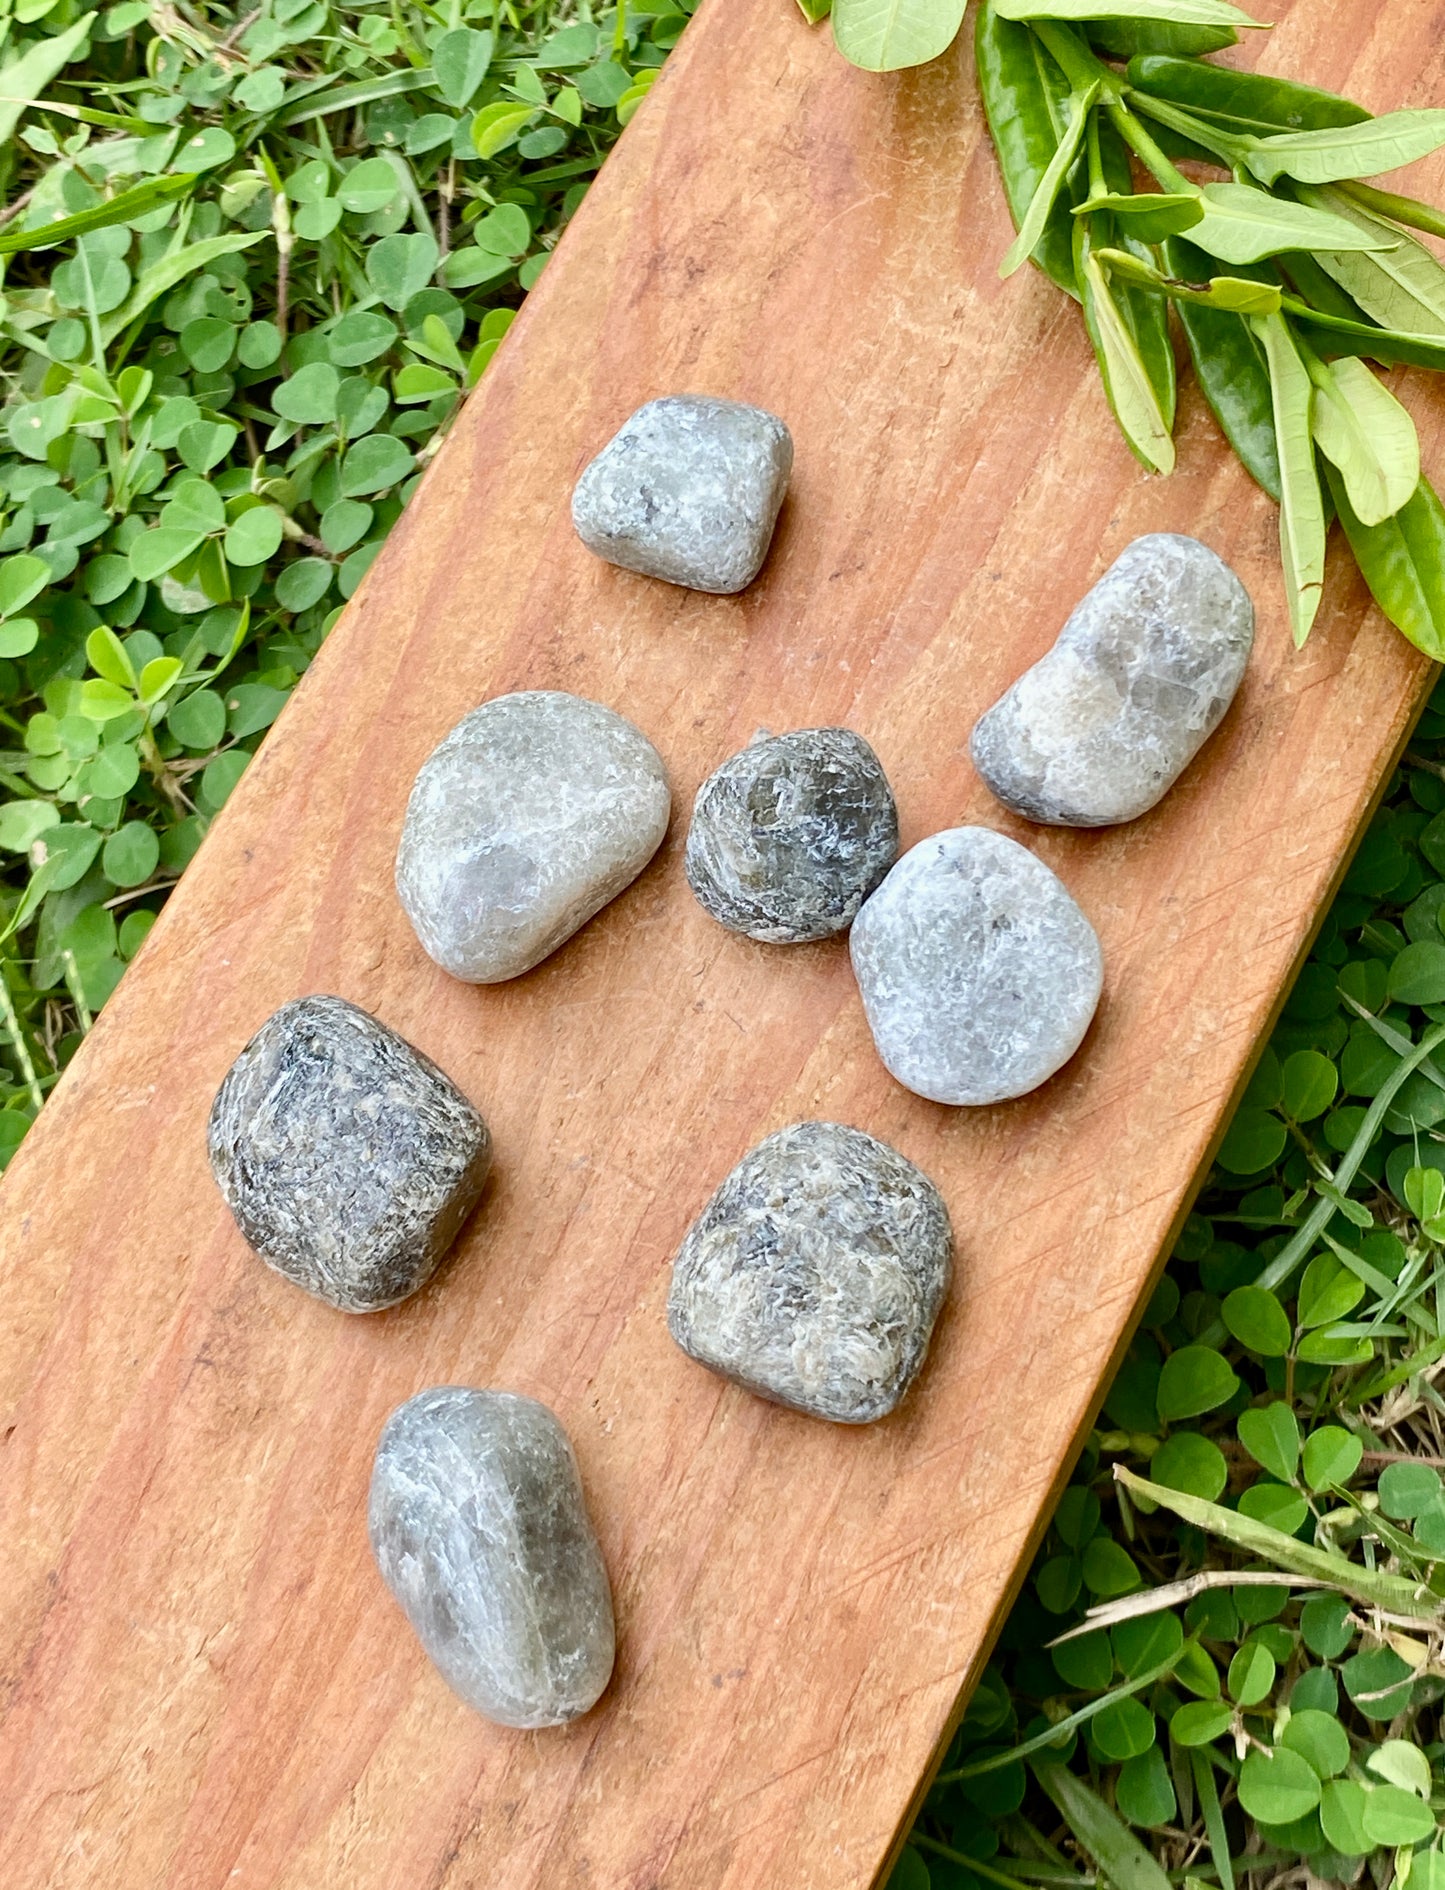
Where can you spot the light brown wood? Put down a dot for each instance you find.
(205, 1684)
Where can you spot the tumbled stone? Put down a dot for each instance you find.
(979, 973)
(529, 817)
(789, 837)
(687, 490)
(480, 1529)
(348, 1159)
(814, 1275)
(1142, 673)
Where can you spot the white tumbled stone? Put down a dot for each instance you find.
(978, 971)
(535, 811)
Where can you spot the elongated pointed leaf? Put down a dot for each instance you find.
(1145, 314)
(1230, 367)
(1121, 1858)
(1301, 508)
(1402, 287)
(1181, 12)
(1239, 294)
(118, 209)
(1244, 225)
(887, 35)
(1341, 151)
(1131, 394)
(1364, 431)
(25, 78)
(1050, 184)
(165, 274)
(1403, 562)
(1026, 101)
(1272, 1545)
(1153, 216)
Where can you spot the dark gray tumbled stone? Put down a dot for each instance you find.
(687, 490)
(1142, 673)
(348, 1159)
(535, 811)
(480, 1529)
(789, 837)
(814, 1275)
(979, 973)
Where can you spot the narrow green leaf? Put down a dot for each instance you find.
(1244, 225)
(1287, 1552)
(1344, 151)
(24, 79)
(1239, 295)
(1301, 510)
(118, 209)
(1050, 184)
(165, 274)
(1180, 12)
(1400, 287)
(1107, 1839)
(344, 98)
(887, 35)
(1402, 559)
(1130, 392)
(1364, 431)
(1150, 217)
(1025, 100)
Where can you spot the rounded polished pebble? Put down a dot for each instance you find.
(789, 837)
(1142, 673)
(814, 1275)
(535, 811)
(480, 1529)
(687, 490)
(979, 973)
(347, 1158)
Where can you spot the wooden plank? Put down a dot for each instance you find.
(204, 1683)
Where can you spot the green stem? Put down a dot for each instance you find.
(1419, 216)
(1147, 151)
(983, 1870)
(1229, 150)
(1073, 57)
(1051, 1737)
(17, 1038)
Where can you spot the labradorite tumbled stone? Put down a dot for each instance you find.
(535, 811)
(1142, 673)
(814, 1275)
(348, 1159)
(480, 1529)
(789, 837)
(687, 490)
(979, 973)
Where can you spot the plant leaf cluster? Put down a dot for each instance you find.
(1287, 271)
(250, 261)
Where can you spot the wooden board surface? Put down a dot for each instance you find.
(204, 1683)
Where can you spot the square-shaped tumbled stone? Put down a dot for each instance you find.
(348, 1159)
(688, 490)
(814, 1275)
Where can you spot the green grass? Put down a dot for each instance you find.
(308, 228)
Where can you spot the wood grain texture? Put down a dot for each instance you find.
(204, 1683)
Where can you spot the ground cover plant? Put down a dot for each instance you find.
(251, 261)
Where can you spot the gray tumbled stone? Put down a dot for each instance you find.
(814, 1275)
(348, 1159)
(480, 1529)
(535, 811)
(789, 837)
(979, 973)
(1142, 673)
(687, 490)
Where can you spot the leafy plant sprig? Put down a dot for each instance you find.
(1285, 271)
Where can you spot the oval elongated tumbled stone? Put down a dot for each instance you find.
(789, 837)
(480, 1529)
(348, 1159)
(687, 490)
(533, 812)
(814, 1275)
(979, 973)
(1142, 673)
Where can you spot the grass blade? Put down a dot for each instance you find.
(119, 209)
(1112, 1845)
(25, 78)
